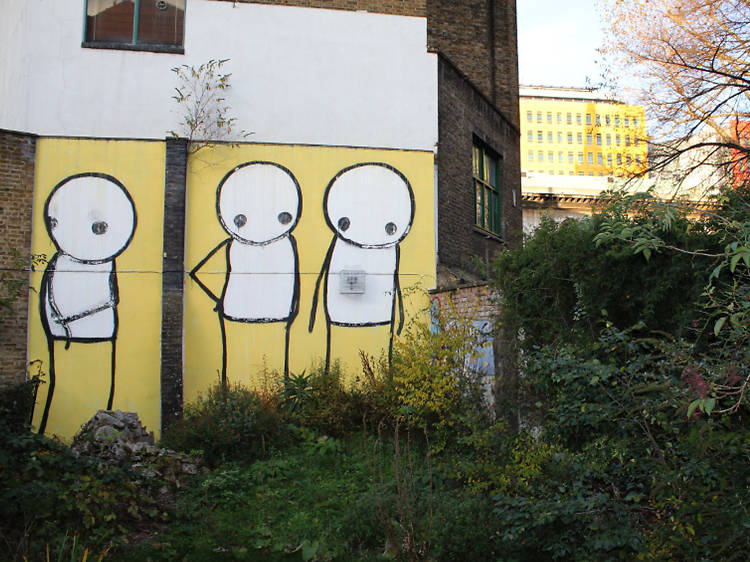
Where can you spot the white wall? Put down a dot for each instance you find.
(299, 75)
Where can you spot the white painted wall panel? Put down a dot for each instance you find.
(300, 75)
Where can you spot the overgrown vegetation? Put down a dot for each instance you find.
(634, 439)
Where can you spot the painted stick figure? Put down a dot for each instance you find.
(258, 204)
(370, 208)
(91, 219)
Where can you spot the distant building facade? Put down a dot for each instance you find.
(576, 132)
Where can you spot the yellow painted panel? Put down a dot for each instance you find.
(82, 322)
(255, 349)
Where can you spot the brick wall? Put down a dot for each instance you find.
(173, 279)
(478, 302)
(463, 114)
(17, 152)
(479, 37)
(393, 7)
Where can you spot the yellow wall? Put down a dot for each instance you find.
(83, 370)
(255, 350)
(253, 347)
(549, 116)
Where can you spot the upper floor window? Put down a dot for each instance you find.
(528, 116)
(487, 174)
(598, 120)
(578, 118)
(538, 116)
(588, 119)
(569, 118)
(154, 25)
(549, 117)
(559, 117)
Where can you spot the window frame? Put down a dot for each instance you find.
(133, 45)
(490, 220)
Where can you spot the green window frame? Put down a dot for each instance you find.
(140, 25)
(487, 171)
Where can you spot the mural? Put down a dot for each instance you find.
(370, 208)
(367, 277)
(91, 219)
(95, 307)
(258, 204)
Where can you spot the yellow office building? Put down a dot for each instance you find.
(574, 132)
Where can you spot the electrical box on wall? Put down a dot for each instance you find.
(352, 281)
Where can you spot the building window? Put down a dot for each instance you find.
(539, 136)
(529, 116)
(569, 118)
(560, 157)
(588, 119)
(559, 138)
(617, 120)
(530, 136)
(580, 138)
(538, 116)
(531, 155)
(549, 117)
(598, 120)
(609, 160)
(540, 155)
(619, 159)
(156, 25)
(627, 121)
(588, 138)
(599, 158)
(487, 173)
(627, 140)
(628, 160)
(570, 138)
(617, 140)
(598, 139)
(580, 157)
(607, 120)
(551, 156)
(570, 157)
(578, 118)
(549, 137)
(559, 118)
(635, 122)
(609, 140)
(591, 157)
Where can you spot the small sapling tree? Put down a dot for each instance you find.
(205, 114)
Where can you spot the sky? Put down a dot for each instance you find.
(557, 42)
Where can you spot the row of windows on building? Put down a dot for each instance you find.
(599, 157)
(572, 173)
(627, 140)
(591, 118)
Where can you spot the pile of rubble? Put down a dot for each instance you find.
(118, 438)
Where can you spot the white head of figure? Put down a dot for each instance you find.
(258, 202)
(90, 217)
(370, 205)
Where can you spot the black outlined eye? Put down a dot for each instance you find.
(285, 218)
(344, 223)
(390, 229)
(99, 227)
(240, 220)
(51, 222)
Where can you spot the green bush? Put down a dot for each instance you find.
(229, 422)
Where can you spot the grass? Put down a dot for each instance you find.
(323, 499)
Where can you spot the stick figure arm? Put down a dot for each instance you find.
(323, 273)
(398, 296)
(196, 269)
(295, 297)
